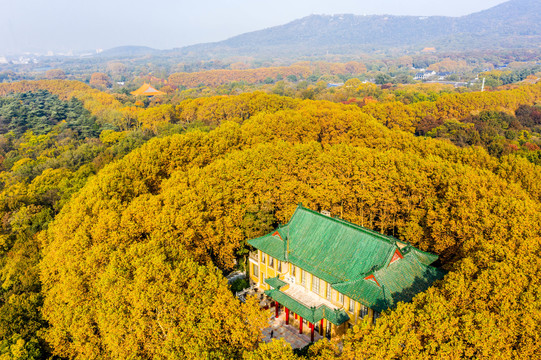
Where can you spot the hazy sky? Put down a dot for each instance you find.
(60, 25)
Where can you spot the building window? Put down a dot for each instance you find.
(279, 266)
(263, 278)
(340, 298)
(363, 311)
(376, 316)
(303, 278)
(351, 305)
(255, 270)
(293, 267)
(263, 258)
(315, 284)
(271, 262)
(329, 294)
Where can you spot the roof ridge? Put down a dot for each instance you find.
(419, 250)
(352, 281)
(387, 238)
(261, 237)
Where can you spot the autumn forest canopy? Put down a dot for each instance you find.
(121, 215)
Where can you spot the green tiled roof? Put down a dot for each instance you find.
(364, 291)
(271, 245)
(335, 249)
(275, 282)
(344, 254)
(311, 314)
(400, 281)
(424, 257)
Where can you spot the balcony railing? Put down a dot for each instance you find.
(254, 256)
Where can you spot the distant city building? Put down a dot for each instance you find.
(330, 85)
(424, 75)
(443, 75)
(22, 60)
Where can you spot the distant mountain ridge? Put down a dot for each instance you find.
(513, 24)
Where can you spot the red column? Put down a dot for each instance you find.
(276, 305)
(321, 328)
(300, 324)
(287, 316)
(295, 316)
(311, 332)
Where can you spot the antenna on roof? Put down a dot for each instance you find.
(287, 245)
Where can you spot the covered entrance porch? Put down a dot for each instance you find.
(278, 328)
(306, 311)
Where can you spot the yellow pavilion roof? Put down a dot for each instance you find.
(147, 90)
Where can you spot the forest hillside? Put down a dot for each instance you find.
(115, 235)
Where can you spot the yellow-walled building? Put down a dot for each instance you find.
(328, 273)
